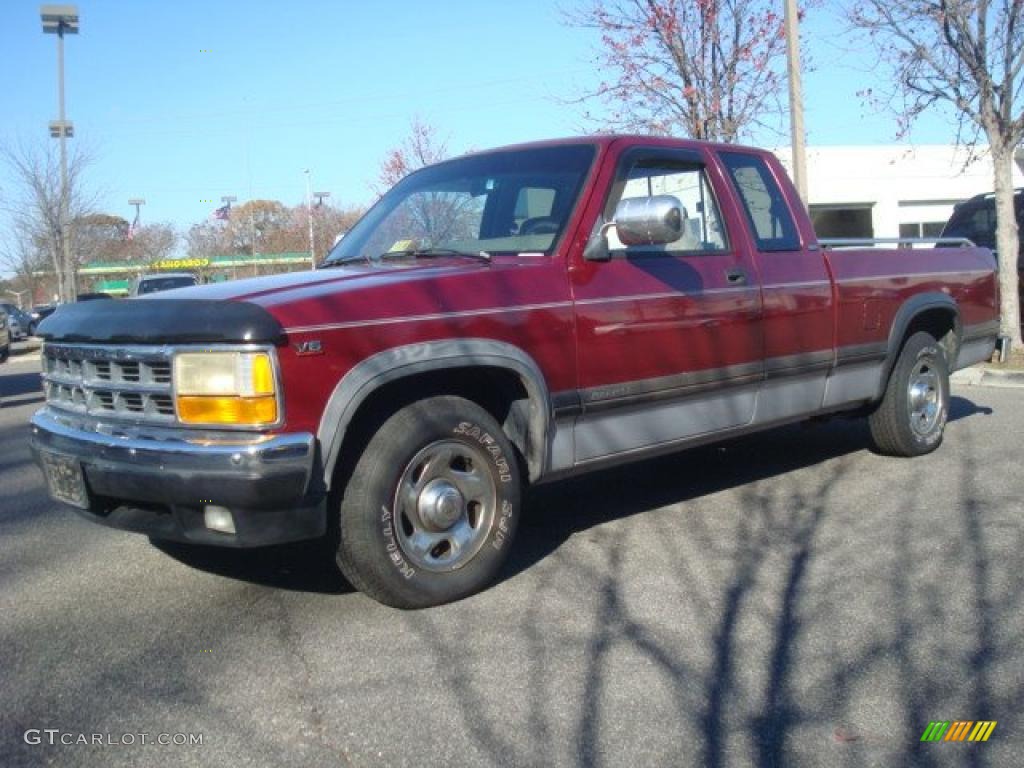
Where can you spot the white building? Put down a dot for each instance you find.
(892, 191)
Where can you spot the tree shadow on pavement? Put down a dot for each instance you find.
(794, 627)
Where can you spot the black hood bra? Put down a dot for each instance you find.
(162, 321)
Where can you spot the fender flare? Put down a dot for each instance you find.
(910, 309)
(400, 362)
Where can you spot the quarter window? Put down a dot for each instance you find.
(766, 209)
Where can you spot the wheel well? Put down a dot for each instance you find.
(498, 391)
(943, 326)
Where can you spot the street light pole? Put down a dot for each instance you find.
(309, 211)
(61, 20)
(796, 99)
(228, 200)
(137, 202)
(17, 294)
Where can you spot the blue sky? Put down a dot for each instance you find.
(330, 86)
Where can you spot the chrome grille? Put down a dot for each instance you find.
(115, 381)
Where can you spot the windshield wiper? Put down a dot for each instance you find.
(346, 261)
(433, 252)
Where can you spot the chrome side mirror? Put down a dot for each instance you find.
(655, 220)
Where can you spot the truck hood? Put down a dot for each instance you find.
(253, 310)
(274, 289)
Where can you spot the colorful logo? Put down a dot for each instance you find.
(958, 730)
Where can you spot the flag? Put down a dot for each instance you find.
(222, 213)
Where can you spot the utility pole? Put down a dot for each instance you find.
(309, 211)
(796, 99)
(63, 20)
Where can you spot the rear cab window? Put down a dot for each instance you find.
(770, 220)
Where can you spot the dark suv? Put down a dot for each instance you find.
(975, 219)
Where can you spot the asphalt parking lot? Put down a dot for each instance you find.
(787, 599)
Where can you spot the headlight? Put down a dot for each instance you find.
(235, 388)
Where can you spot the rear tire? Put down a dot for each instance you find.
(431, 507)
(911, 418)
(5, 352)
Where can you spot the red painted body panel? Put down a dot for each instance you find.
(872, 284)
(656, 316)
(591, 324)
(522, 301)
(798, 295)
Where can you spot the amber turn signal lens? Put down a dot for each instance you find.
(247, 411)
(262, 375)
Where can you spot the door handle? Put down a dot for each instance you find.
(736, 276)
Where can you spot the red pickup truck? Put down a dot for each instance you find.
(504, 318)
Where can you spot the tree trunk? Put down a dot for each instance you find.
(1007, 245)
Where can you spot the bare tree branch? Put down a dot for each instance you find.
(708, 69)
(965, 55)
(34, 206)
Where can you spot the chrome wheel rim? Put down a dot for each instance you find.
(445, 505)
(924, 396)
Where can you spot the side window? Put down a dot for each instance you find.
(766, 209)
(687, 181)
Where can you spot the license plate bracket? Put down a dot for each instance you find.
(65, 479)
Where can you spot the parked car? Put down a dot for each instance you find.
(38, 313)
(96, 296)
(975, 219)
(145, 284)
(566, 306)
(5, 337)
(18, 320)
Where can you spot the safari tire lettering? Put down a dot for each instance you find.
(391, 545)
(475, 432)
(372, 550)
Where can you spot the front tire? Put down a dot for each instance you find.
(911, 418)
(5, 352)
(431, 508)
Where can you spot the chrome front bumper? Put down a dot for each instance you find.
(159, 481)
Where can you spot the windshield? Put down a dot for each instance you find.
(512, 202)
(164, 284)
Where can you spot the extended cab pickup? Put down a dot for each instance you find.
(504, 318)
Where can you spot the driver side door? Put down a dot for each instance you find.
(668, 337)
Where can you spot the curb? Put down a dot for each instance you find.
(997, 378)
(989, 377)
